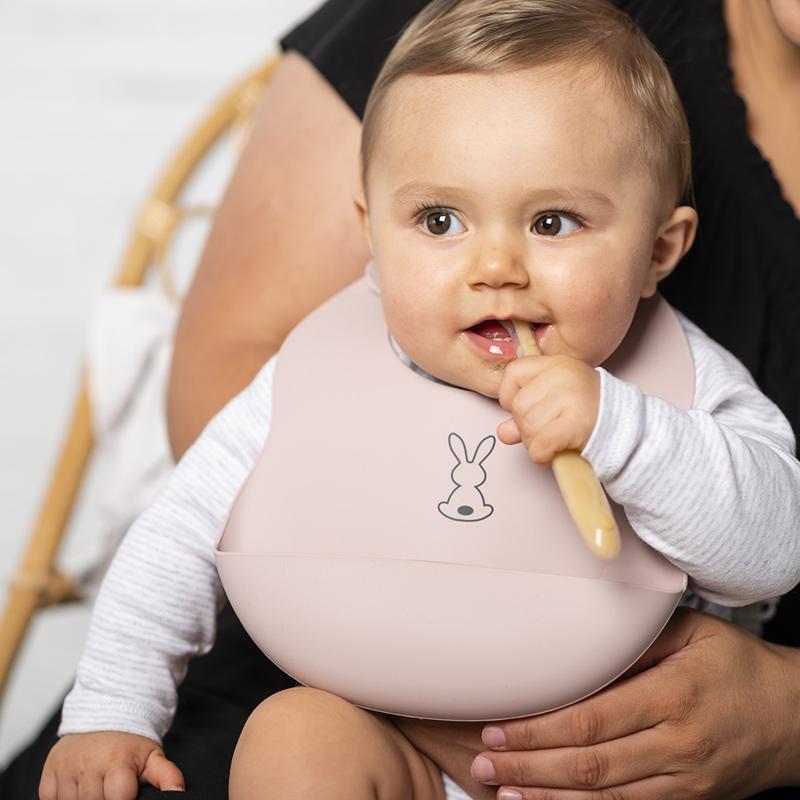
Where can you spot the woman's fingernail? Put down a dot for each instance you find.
(493, 737)
(482, 769)
(509, 794)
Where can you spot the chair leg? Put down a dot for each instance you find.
(37, 584)
(26, 595)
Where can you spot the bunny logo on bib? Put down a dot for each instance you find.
(466, 502)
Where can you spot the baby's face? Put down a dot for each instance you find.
(515, 195)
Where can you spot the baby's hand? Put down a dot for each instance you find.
(553, 401)
(106, 766)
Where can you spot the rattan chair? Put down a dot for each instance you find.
(38, 582)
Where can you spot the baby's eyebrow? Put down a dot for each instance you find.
(412, 190)
(541, 196)
(553, 194)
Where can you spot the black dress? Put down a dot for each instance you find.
(740, 283)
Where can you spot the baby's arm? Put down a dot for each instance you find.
(715, 489)
(158, 604)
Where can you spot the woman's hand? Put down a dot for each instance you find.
(710, 711)
(106, 766)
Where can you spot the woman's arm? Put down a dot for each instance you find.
(285, 238)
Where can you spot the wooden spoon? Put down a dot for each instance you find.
(580, 488)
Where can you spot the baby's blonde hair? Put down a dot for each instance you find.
(485, 36)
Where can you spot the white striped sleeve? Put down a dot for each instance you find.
(715, 489)
(158, 603)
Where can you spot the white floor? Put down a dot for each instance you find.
(94, 96)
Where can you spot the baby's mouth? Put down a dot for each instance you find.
(493, 329)
(497, 336)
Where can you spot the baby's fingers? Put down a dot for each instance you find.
(57, 784)
(160, 772)
(549, 439)
(90, 787)
(508, 432)
(67, 788)
(121, 783)
(517, 375)
(48, 785)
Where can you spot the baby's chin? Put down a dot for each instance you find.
(488, 386)
(457, 370)
(482, 381)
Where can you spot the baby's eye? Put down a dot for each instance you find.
(441, 222)
(555, 225)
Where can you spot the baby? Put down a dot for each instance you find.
(522, 159)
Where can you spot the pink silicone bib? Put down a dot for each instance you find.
(388, 548)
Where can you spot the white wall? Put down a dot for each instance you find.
(94, 97)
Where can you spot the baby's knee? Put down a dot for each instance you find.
(303, 737)
(300, 715)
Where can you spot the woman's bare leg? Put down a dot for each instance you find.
(303, 743)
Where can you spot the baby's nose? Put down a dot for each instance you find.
(499, 264)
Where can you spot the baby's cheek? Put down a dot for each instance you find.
(601, 339)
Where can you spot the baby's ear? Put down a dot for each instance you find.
(673, 238)
(360, 203)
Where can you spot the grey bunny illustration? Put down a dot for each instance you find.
(466, 503)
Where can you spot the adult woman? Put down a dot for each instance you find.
(723, 723)
(745, 258)
(752, 278)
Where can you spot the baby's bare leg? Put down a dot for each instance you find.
(303, 743)
(452, 746)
